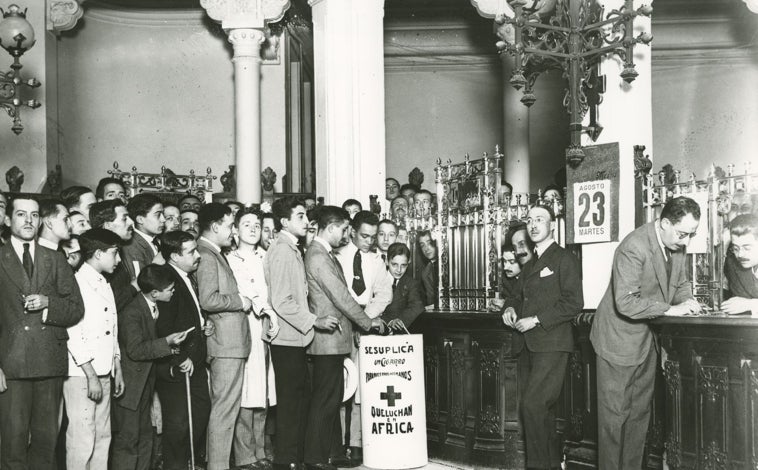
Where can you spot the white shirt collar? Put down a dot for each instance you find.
(289, 235)
(89, 273)
(18, 247)
(152, 305)
(148, 238)
(324, 243)
(216, 247)
(47, 243)
(178, 270)
(541, 247)
(660, 242)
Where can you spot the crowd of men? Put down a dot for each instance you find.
(227, 314)
(119, 316)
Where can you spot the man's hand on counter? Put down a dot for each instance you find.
(737, 305)
(688, 307)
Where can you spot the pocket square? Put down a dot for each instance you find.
(546, 272)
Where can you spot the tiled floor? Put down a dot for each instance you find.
(438, 465)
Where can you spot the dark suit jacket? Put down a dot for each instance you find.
(407, 300)
(140, 346)
(29, 347)
(121, 283)
(429, 276)
(220, 300)
(139, 250)
(639, 290)
(550, 288)
(179, 314)
(328, 295)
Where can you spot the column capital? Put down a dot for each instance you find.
(492, 8)
(236, 14)
(62, 15)
(247, 42)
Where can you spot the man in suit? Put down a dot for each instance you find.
(371, 286)
(407, 294)
(39, 299)
(648, 280)
(182, 312)
(110, 188)
(741, 266)
(229, 346)
(329, 298)
(288, 295)
(112, 215)
(146, 210)
(429, 273)
(189, 222)
(140, 347)
(549, 298)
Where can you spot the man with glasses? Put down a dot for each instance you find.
(741, 267)
(648, 280)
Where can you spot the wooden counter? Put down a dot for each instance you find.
(705, 412)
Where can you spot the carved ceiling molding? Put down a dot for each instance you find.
(233, 14)
(144, 18)
(62, 15)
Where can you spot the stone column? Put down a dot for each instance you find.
(515, 132)
(247, 112)
(626, 114)
(515, 114)
(348, 40)
(244, 22)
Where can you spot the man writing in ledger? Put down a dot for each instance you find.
(648, 281)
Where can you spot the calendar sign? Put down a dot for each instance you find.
(592, 216)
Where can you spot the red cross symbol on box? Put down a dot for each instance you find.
(390, 395)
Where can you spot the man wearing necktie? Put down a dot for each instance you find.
(329, 297)
(39, 299)
(547, 298)
(182, 313)
(648, 280)
(146, 210)
(370, 284)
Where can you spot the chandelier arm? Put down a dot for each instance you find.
(546, 26)
(608, 21)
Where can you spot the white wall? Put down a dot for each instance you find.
(148, 88)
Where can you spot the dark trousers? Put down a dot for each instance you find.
(173, 396)
(132, 443)
(624, 397)
(544, 373)
(292, 401)
(29, 411)
(328, 388)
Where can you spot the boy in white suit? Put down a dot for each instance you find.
(94, 356)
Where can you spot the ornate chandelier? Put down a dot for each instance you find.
(16, 37)
(576, 35)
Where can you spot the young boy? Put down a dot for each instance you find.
(94, 356)
(132, 429)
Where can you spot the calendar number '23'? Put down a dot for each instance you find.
(594, 206)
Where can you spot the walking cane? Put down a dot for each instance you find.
(189, 413)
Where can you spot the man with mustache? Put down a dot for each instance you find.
(741, 266)
(189, 222)
(39, 299)
(648, 280)
(548, 298)
(523, 247)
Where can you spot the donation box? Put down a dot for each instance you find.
(393, 406)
